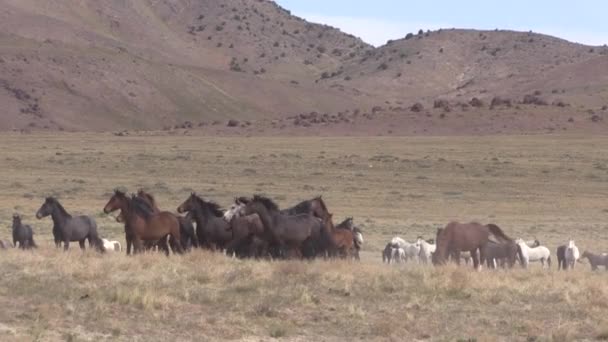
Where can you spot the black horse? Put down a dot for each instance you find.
(22, 234)
(292, 233)
(211, 228)
(79, 228)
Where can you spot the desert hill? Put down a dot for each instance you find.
(93, 65)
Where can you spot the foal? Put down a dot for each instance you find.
(22, 234)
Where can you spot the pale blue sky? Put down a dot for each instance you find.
(376, 21)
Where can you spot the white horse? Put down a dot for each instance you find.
(399, 255)
(411, 250)
(111, 245)
(572, 254)
(529, 254)
(426, 250)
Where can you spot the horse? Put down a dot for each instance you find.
(22, 234)
(349, 224)
(411, 250)
(111, 245)
(472, 237)
(426, 250)
(316, 207)
(186, 227)
(212, 230)
(343, 241)
(572, 255)
(561, 257)
(289, 232)
(596, 260)
(142, 224)
(399, 255)
(528, 254)
(79, 228)
(496, 253)
(387, 253)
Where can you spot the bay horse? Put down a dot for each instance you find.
(22, 234)
(212, 230)
(78, 228)
(289, 232)
(472, 237)
(142, 224)
(349, 224)
(341, 240)
(186, 227)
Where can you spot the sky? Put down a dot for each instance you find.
(376, 21)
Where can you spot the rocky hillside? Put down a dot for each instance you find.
(109, 65)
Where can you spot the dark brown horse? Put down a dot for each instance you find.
(143, 224)
(289, 232)
(211, 229)
(472, 237)
(501, 253)
(186, 227)
(247, 234)
(561, 257)
(315, 207)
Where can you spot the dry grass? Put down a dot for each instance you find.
(544, 186)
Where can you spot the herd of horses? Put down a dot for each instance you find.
(251, 227)
(255, 227)
(474, 239)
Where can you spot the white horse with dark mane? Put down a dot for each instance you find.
(531, 254)
(111, 245)
(426, 250)
(572, 254)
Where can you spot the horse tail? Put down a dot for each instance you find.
(549, 261)
(520, 253)
(358, 239)
(498, 233)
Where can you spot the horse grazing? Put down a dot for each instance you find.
(186, 227)
(571, 255)
(111, 245)
(596, 260)
(500, 253)
(289, 232)
(79, 228)
(426, 250)
(22, 234)
(142, 224)
(528, 254)
(472, 237)
(212, 230)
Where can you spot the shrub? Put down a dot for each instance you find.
(417, 107)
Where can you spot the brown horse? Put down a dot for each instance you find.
(143, 224)
(247, 234)
(187, 233)
(342, 240)
(472, 237)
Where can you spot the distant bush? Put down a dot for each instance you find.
(417, 107)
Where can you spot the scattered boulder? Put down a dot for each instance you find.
(499, 101)
(417, 107)
(475, 102)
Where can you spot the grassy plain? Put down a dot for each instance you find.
(548, 187)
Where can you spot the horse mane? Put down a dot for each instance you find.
(267, 202)
(143, 193)
(320, 199)
(142, 207)
(215, 208)
(55, 202)
(346, 224)
(242, 199)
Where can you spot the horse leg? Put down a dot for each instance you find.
(66, 245)
(162, 244)
(475, 257)
(81, 243)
